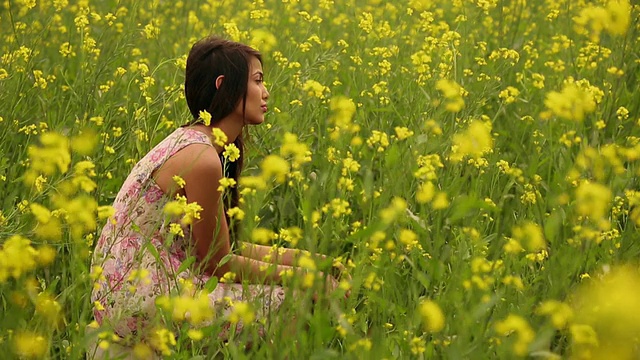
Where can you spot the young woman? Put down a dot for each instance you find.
(138, 255)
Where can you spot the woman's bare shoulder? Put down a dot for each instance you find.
(193, 163)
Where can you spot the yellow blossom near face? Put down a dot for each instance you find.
(522, 329)
(432, 127)
(175, 208)
(205, 117)
(253, 182)
(432, 317)
(530, 234)
(449, 88)
(292, 147)
(226, 183)
(219, 137)
(338, 207)
(571, 103)
(274, 167)
(235, 213)
(231, 152)
(474, 141)
(314, 89)
(262, 40)
(191, 306)
(179, 181)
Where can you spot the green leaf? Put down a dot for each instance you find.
(552, 226)
(186, 264)
(225, 259)
(211, 284)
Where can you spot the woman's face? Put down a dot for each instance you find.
(257, 95)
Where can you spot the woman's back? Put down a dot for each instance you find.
(131, 274)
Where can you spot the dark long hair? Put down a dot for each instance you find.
(208, 59)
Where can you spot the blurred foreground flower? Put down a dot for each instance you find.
(614, 19)
(571, 103)
(524, 335)
(30, 345)
(432, 316)
(263, 40)
(607, 312)
(475, 141)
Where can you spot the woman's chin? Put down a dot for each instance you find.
(254, 121)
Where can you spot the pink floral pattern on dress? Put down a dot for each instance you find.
(134, 242)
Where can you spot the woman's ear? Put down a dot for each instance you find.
(219, 81)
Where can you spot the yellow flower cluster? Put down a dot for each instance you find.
(343, 110)
(605, 322)
(524, 335)
(432, 317)
(192, 308)
(473, 142)
(298, 151)
(614, 18)
(189, 212)
(18, 258)
(452, 93)
(571, 103)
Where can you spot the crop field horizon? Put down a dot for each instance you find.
(473, 165)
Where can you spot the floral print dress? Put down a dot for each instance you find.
(133, 261)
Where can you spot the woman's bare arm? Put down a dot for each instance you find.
(211, 232)
(271, 254)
